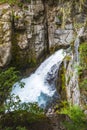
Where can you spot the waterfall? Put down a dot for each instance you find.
(40, 86)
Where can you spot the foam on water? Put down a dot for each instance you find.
(40, 86)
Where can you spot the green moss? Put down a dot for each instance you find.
(33, 62)
(83, 55)
(76, 118)
(68, 58)
(78, 25)
(63, 84)
(16, 17)
(83, 73)
(83, 48)
(63, 79)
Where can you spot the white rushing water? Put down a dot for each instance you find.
(40, 86)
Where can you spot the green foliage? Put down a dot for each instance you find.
(20, 119)
(83, 55)
(59, 106)
(19, 116)
(21, 128)
(7, 79)
(83, 66)
(77, 118)
(9, 1)
(63, 78)
(68, 58)
(10, 105)
(83, 84)
(13, 2)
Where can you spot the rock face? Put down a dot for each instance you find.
(5, 34)
(58, 35)
(24, 32)
(35, 29)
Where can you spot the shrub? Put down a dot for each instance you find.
(7, 79)
(77, 118)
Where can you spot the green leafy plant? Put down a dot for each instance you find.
(7, 79)
(13, 2)
(20, 128)
(76, 118)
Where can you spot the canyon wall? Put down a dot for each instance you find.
(37, 28)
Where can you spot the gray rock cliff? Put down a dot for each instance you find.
(29, 32)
